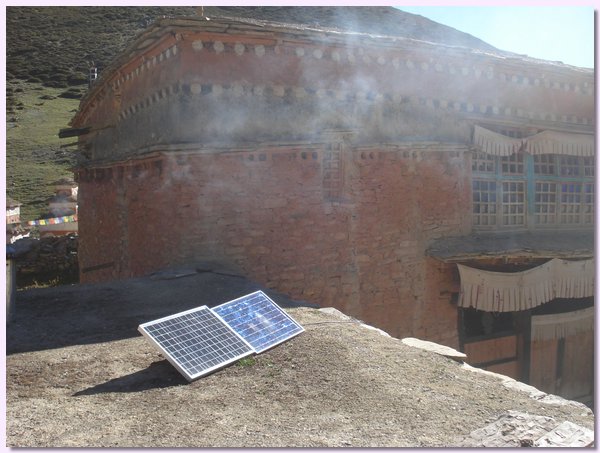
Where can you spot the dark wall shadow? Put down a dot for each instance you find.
(49, 318)
(158, 375)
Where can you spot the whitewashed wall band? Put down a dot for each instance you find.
(239, 89)
(488, 72)
(349, 57)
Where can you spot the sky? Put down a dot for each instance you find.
(556, 33)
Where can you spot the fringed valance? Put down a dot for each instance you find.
(503, 292)
(561, 325)
(494, 143)
(545, 142)
(552, 142)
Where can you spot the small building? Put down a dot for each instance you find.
(61, 219)
(15, 230)
(434, 191)
(64, 201)
(13, 211)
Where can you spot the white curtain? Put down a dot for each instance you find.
(561, 325)
(545, 142)
(503, 291)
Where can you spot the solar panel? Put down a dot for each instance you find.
(258, 320)
(196, 341)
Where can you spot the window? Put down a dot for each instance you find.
(478, 324)
(483, 163)
(484, 202)
(545, 164)
(532, 191)
(545, 203)
(512, 165)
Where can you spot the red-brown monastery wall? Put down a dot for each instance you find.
(322, 164)
(358, 246)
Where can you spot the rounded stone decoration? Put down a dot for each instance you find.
(197, 45)
(196, 88)
(300, 92)
(259, 50)
(239, 48)
(238, 89)
(219, 46)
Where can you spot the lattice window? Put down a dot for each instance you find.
(484, 203)
(483, 163)
(588, 204)
(589, 166)
(570, 166)
(513, 164)
(547, 190)
(513, 203)
(545, 203)
(570, 203)
(545, 164)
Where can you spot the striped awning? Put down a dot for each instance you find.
(516, 291)
(545, 142)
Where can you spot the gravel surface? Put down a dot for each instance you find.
(97, 383)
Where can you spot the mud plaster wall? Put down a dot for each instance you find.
(354, 240)
(219, 145)
(223, 88)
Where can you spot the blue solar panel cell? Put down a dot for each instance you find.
(196, 341)
(259, 320)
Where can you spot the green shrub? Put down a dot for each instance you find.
(71, 93)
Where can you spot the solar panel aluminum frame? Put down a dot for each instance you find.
(175, 363)
(277, 307)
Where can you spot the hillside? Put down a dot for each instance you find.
(50, 49)
(55, 45)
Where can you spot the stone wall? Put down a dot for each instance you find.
(323, 164)
(331, 223)
(49, 260)
(228, 84)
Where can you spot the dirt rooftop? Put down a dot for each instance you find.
(80, 375)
